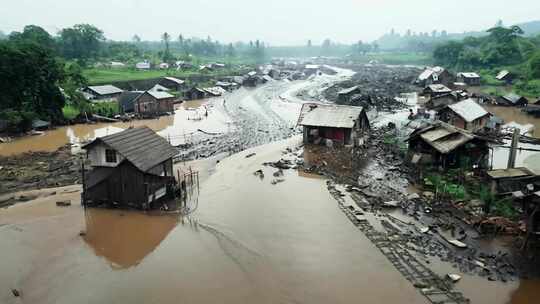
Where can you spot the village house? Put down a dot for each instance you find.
(469, 78)
(346, 94)
(511, 180)
(195, 93)
(446, 146)
(133, 168)
(434, 90)
(344, 125)
(102, 93)
(513, 100)
(151, 103)
(505, 76)
(466, 114)
(172, 83)
(164, 66)
(126, 101)
(435, 75)
(144, 65)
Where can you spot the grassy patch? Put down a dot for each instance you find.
(70, 112)
(107, 75)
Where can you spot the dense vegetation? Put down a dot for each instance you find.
(32, 74)
(502, 48)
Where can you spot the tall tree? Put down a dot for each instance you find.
(82, 41)
(136, 39)
(29, 89)
(166, 39)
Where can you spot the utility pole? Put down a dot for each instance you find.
(513, 149)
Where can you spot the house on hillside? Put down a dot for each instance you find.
(435, 75)
(344, 125)
(444, 145)
(466, 114)
(513, 100)
(164, 66)
(469, 78)
(345, 95)
(133, 168)
(152, 103)
(102, 93)
(434, 90)
(172, 83)
(437, 103)
(505, 76)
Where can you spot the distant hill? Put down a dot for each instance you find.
(425, 41)
(531, 28)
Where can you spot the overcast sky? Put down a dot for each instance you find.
(279, 22)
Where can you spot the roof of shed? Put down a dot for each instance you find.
(469, 75)
(176, 80)
(429, 71)
(105, 89)
(502, 74)
(141, 146)
(469, 110)
(319, 115)
(513, 98)
(160, 95)
(443, 137)
(441, 88)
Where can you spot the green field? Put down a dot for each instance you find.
(97, 76)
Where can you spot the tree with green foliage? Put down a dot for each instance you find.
(29, 89)
(533, 66)
(82, 41)
(34, 33)
(166, 39)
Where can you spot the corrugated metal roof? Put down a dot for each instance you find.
(502, 74)
(429, 72)
(469, 110)
(176, 80)
(469, 75)
(105, 89)
(513, 98)
(141, 146)
(443, 137)
(312, 66)
(439, 88)
(160, 95)
(159, 88)
(319, 115)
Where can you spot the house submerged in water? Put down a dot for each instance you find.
(133, 168)
(345, 125)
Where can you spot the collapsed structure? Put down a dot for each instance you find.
(444, 145)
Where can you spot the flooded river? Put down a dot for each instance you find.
(249, 241)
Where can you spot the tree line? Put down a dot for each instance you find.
(502, 47)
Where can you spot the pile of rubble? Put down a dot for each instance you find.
(36, 170)
(377, 86)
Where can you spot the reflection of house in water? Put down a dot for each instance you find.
(125, 238)
(341, 124)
